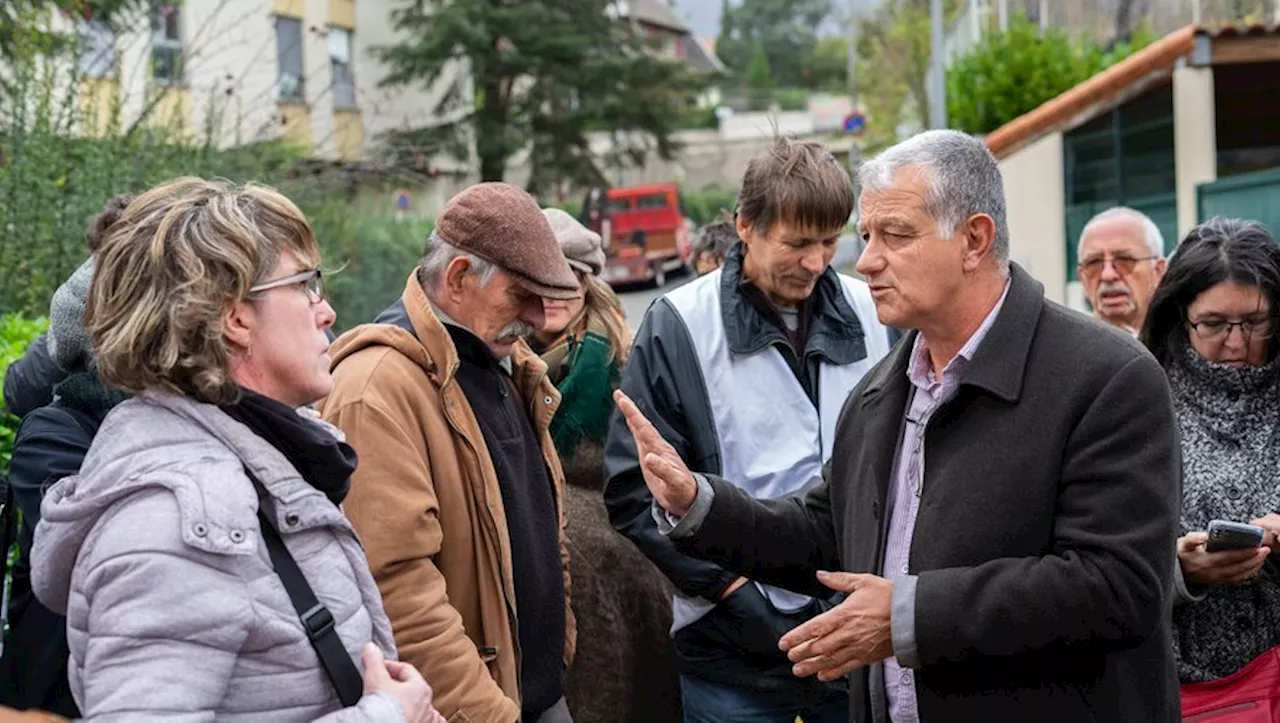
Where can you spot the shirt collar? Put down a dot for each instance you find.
(504, 362)
(920, 368)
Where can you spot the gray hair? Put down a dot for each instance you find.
(440, 254)
(1150, 231)
(964, 180)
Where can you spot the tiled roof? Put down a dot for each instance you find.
(701, 56)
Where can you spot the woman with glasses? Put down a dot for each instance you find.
(200, 556)
(1211, 326)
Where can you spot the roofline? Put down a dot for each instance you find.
(1107, 85)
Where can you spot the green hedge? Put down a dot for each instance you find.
(16, 333)
(703, 205)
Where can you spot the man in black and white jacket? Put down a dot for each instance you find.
(745, 371)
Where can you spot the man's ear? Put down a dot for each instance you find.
(979, 240)
(455, 278)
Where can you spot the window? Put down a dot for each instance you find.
(289, 56)
(166, 44)
(97, 49)
(344, 85)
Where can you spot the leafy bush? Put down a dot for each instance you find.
(372, 257)
(16, 334)
(1014, 71)
(705, 204)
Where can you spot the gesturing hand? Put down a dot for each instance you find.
(666, 475)
(852, 635)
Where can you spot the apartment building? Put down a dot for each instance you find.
(242, 71)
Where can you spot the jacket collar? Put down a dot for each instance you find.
(415, 314)
(835, 332)
(999, 364)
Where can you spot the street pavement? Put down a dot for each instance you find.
(636, 301)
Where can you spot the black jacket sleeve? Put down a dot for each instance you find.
(29, 382)
(664, 378)
(782, 542)
(51, 444)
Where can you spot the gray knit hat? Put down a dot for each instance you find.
(68, 342)
(581, 245)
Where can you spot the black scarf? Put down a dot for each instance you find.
(323, 461)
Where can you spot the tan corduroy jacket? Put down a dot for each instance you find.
(426, 503)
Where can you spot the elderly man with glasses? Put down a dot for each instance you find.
(1121, 261)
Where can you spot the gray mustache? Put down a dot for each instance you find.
(515, 330)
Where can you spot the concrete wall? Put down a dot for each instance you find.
(1033, 187)
(1195, 141)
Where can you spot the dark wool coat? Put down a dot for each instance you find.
(626, 667)
(1045, 540)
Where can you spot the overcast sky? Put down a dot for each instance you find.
(704, 15)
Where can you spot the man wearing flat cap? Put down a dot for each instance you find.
(457, 497)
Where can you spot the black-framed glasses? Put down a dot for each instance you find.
(1217, 330)
(1124, 265)
(311, 283)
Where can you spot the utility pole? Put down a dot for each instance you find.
(851, 63)
(937, 72)
(1004, 15)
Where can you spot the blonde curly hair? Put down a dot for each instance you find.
(179, 257)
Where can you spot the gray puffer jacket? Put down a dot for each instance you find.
(173, 610)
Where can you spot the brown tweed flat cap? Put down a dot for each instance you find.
(503, 225)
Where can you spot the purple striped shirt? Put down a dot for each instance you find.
(928, 394)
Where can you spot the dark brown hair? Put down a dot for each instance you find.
(104, 220)
(797, 182)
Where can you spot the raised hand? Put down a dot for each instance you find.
(666, 475)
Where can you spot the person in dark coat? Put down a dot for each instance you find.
(51, 444)
(625, 670)
(1003, 503)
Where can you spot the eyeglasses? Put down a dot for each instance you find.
(1217, 330)
(311, 283)
(1124, 265)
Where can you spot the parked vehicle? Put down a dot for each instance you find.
(646, 234)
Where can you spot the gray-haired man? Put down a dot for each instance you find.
(1121, 258)
(979, 509)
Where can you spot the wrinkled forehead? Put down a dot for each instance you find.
(1119, 235)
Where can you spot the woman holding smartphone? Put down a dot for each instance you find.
(1211, 326)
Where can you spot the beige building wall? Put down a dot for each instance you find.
(229, 88)
(1195, 142)
(1033, 187)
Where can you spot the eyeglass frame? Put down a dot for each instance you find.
(1080, 266)
(299, 278)
(1231, 326)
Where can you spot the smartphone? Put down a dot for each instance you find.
(1224, 535)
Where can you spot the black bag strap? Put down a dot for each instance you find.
(316, 619)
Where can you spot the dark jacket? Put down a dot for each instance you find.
(29, 381)
(1044, 543)
(736, 643)
(625, 669)
(51, 444)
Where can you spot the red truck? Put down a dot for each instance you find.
(645, 233)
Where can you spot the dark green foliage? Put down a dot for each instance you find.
(542, 75)
(1013, 72)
